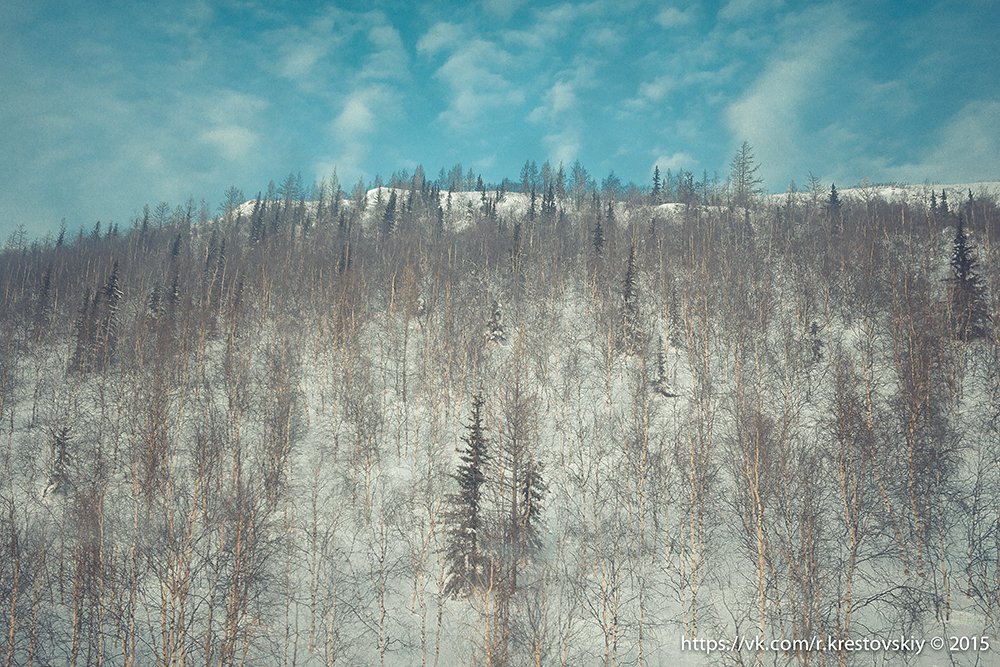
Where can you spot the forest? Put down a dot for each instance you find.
(541, 422)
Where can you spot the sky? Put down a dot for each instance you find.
(105, 107)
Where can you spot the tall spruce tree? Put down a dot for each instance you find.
(970, 317)
(107, 341)
(389, 216)
(629, 325)
(598, 237)
(464, 552)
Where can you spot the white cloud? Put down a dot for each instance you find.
(563, 146)
(301, 48)
(473, 73)
(232, 141)
(658, 88)
(739, 10)
(357, 121)
(674, 161)
(389, 58)
(440, 36)
(967, 149)
(768, 114)
(604, 37)
(549, 27)
(559, 99)
(503, 9)
(671, 17)
(356, 117)
(297, 60)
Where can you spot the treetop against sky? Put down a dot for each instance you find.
(110, 106)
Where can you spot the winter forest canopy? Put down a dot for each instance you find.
(554, 420)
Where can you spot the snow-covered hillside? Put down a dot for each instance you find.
(321, 435)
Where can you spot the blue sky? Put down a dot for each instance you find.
(107, 106)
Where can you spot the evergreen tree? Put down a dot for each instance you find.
(549, 203)
(943, 207)
(560, 183)
(84, 335)
(389, 216)
(59, 481)
(495, 332)
(834, 208)
(657, 189)
(598, 237)
(533, 488)
(107, 341)
(629, 325)
(43, 305)
(970, 317)
(257, 230)
(464, 552)
(662, 382)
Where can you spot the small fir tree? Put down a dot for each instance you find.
(60, 482)
(495, 332)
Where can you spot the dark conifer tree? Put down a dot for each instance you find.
(389, 216)
(657, 188)
(257, 229)
(43, 305)
(662, 384)
(464, 552)
(598, 237)
(970, 317)
(533, 488)
(84, 335)
(495, 331)
(834, 208)
(111, 296)
(629, 325)
(549, 202)
(60, 481)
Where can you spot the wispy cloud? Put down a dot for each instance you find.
(300, 47)
(474, 74)
(966, 149)
(440, 36)
(770, 112)
(127, 104)
(502, 9)
(356, 124)
(738, 10)
(672, 17)
(558, 100)
(563, 146)
(388, 58)
(674, 161)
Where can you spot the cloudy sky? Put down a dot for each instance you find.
(107, 106)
